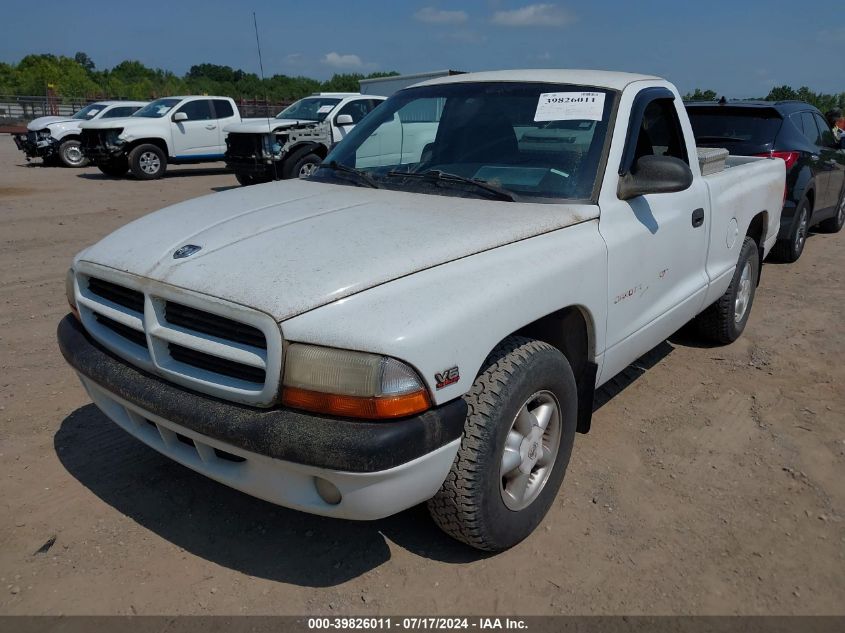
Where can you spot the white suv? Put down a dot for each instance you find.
(56, 138)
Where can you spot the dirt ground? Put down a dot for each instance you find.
(711, 483)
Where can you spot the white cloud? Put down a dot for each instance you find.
(534, 15)
(343, 62)
(294, 59)
(440, 16)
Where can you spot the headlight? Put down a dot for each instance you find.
(354, 384)
(45, 133)
(70, 292)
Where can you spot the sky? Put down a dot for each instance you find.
(739, 48)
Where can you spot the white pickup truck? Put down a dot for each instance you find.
(175, 130)
(55, 139)
(431, 326)
(293, 143)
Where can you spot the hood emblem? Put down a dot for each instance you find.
(186, 251)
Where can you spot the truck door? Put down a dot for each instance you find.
(198, 137)
(657, 243)
(357, 109)
(225, 115)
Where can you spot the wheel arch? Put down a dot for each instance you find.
(152, 140)
(571, 330)
(758, 231)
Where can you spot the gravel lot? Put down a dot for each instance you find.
(712, 481)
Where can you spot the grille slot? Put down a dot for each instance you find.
(123, 330)
(120, 295)
(218, 326)
(216, 365)
(229, 457)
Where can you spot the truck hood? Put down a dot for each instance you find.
(262, 126)
(42, 122)
(291, 246)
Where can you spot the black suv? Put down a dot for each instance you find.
(797, 133)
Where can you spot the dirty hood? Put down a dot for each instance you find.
(291, 246)
(263, 126)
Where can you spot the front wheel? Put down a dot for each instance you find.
(302, 167)
(70, 153)
(116, 168)
(245, 179)
(147, 162)
(724, 321)
(515, 448)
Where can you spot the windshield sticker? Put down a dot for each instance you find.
(91, 113)
(570, 106)
(325, 109)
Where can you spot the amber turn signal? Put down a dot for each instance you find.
(371, 408)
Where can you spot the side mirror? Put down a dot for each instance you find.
(180, 116)
(655, 174)
(343, 119)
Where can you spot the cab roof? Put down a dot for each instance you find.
(598, 78)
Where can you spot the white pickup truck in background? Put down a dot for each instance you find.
(174, 130)
(426, 317)
(292, 144)
(56, 139)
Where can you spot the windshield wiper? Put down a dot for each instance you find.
(435, 175)
(362, 176)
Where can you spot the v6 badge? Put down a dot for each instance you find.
(447, 377)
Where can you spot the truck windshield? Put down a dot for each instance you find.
(309, 109)
(90, 111)
(157, 108)
(537, 142)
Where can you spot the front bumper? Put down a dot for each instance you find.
(380, 468)
(35, 147)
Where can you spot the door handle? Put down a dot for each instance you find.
(210, 127)
(697, 218)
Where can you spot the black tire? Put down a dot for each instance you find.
(301, 166)
(789, 249)
(470, 505)
(147, 162)
(115, 168)
(835, 224)
(245, 180)
(70, 154)
(719, 322)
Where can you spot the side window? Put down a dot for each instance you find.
(825, 134)
(199, 110)
(374, 103)
(356, 109)
(660, 133)
(810, 129)
(122, 111)
(797, 121)
(223, 109)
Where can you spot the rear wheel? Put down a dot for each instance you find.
(114, 168)
(147, 162)
(835, 224)
(70, 153)
(724, 321)
(789, 249)
(516, 445)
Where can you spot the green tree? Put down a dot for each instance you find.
(83, 60)
(700, 95)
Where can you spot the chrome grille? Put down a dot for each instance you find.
(205, 344)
